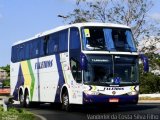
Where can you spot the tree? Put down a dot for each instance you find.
(133, 13)
(150, 44)
(149, 83)
(7, 69)
(6, 83)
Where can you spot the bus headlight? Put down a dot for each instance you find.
(133, 93)
(91, 92)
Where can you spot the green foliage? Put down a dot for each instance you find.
(13, 110)
(17, 110)
(1, 109)
(157, 61)
(6, 83)
(149, 83)
(7, 69)
(154, 60)
(16, 114)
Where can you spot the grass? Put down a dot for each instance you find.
(16, 114)
(149, 98)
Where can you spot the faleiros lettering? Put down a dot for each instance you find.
(44, 64)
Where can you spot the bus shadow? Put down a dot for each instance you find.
(115, 109)
(95, 109)
(98, 109)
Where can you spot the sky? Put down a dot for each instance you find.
(22, 19)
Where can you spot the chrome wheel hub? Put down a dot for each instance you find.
(27, 100)
(21, 98)
(66, 100)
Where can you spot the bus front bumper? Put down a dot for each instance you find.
(107, 99)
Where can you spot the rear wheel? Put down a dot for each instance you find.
(26, 100)
(21, 99)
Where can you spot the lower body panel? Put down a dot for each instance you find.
(106, 99)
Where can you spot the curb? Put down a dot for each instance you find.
(40, 117)
(149, 101)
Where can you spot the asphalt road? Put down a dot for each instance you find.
(123, 112)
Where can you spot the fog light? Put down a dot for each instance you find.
(91, 92)
(133, 93)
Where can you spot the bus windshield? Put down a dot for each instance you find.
(101, 72)
(107, 39)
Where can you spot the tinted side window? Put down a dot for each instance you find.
(74, 53)
(46, 44)
(53, 43)
(27, 51)
(18, 53)
(14, 54)
(21, 52)
(34, 48)
(63, 40)
(41, 50)
(17, 47)
(74, 38)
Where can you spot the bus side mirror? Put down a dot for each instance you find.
(145, 62)
(83, 62)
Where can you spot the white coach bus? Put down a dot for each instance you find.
(83, 63)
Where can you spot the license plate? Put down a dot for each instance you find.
(114, 100)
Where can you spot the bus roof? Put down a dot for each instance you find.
(73, 25)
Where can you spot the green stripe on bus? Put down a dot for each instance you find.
(33, 78)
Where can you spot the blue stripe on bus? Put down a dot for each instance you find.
(61, 78)
(20, 82)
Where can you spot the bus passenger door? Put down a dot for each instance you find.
(74, 56)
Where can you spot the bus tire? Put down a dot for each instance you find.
(21, 99)
(65, 101)
(26, 100)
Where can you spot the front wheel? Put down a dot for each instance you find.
(65, 102)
